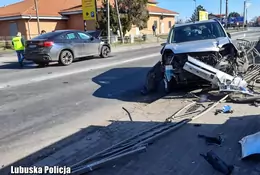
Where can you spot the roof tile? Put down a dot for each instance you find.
(157, 9)
(53, 7)
(150, 8)
(45, 7)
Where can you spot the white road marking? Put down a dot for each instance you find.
(63, 74)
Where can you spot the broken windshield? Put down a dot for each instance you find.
(194, 32)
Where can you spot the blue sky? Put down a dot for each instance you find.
(186, 7)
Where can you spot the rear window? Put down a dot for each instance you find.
(46, 36)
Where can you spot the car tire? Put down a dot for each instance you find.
(169, 86)
(66, 57)
(105, 51)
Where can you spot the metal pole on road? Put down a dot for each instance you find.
(37, 15)
(108, 21)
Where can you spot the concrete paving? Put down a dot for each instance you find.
(40, 106)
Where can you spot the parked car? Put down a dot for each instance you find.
(64, 46)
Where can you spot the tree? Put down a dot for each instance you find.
(195, 14)
(233, 14)
(102, 24)
(136, 12)
(132, 12)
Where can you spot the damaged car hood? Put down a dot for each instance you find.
(201, 45)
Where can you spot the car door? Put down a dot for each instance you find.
(75, 43)
(91, 44)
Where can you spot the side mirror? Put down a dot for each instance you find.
(163, 44)
(92, 38)
(229, 35)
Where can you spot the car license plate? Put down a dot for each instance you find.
(32, 46)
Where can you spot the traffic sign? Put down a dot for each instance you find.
(89, 9)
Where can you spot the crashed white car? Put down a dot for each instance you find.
(201, 52)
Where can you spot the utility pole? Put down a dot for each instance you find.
(220, 8)
(119, 22)
(108, 21)
(37, 15)
(244, 14)
(226, 13)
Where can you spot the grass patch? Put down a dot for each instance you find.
(127, 44)
(163, 36)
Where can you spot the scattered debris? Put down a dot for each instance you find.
(211, 140)
(217, 163)
(250, 145)
(128, 113)
(195, 108)
(65, 82)
(226, 109)
(129, 146)
(136, 143)
(203, 98)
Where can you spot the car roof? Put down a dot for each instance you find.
(71, 30)
(196, 22)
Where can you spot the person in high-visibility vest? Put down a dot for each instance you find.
(18, 44)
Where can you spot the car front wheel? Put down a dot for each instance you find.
(105, 51)
(66, 58)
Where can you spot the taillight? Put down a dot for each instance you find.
(48, 44)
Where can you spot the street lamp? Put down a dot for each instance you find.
(196, 15)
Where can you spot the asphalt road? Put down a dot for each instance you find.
(61, 100)
(39, 106)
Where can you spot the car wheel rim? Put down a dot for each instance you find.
(67, 57)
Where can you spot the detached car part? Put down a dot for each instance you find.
(215, 76)
(250, 145)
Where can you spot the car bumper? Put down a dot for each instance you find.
(41, 58)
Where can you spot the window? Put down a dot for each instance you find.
(84, 36)
(195, 32)
(71, 36)
(170, 24)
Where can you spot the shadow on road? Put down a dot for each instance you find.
(175, 153)
(114, 85)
